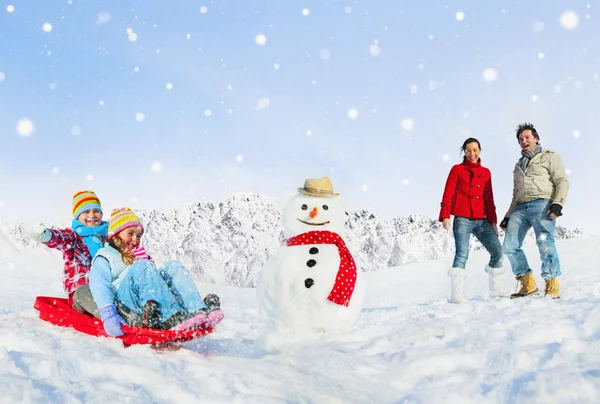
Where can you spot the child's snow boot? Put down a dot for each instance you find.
(151, 314)
(553, 288)
(528, 287)
(495, 280)
(215, 315)
(212, 301)
(457, 285)
(198, 319)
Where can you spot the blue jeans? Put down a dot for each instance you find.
(528, 215)
(482, 229)
(170, 286)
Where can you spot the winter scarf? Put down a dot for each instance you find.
(346, 274)
(528, 155)
(92, 236)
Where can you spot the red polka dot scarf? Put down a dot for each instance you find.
(346, 274)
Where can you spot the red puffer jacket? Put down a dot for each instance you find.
(468, 193)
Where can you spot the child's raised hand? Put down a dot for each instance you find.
(140, 253)
(39, 232)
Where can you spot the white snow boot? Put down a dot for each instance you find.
(457, 285)
(495, 276)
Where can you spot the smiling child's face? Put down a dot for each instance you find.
(130, 237)
(91, 217)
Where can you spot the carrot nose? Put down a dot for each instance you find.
(313, 212)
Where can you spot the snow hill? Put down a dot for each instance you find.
(409, 345)
(229, 242)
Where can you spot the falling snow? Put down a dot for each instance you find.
(407, 124)
(325, 54)
(364, 187)
(55, 170)
(131, 35)
(490, 75)
(576, 134)
(305, 12)
(47, 27)
(76, 130)
(2, 77)
(169, 86)
(25, 127)
(569, 20)
(353, 113)
(10, 8)
(156, 166)
(90, 177)
(239, 158)
(374, 50)
(537, 26)
(203, 10)
(140, 117)
(460, 16)
(260, 39)
(405, 182)
(262, 103)
(103, 18)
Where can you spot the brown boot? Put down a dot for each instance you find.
(528, 287)
(553, 288)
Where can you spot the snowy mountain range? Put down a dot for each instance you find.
(229, 242)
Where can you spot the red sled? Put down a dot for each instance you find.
(57, 311)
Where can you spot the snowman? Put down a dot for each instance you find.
(312, 281)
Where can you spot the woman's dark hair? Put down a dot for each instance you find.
(527, 126)
(463, 148)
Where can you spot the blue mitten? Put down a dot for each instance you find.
(112, 320)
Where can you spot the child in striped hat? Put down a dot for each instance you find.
(78, 244)
(129, 289)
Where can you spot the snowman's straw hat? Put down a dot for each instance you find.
(318, 187)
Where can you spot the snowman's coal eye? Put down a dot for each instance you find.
(325, 207)
(304, 207)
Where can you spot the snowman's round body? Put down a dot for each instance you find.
(296, 283)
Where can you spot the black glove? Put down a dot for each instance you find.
(555, 209)
(504, 223)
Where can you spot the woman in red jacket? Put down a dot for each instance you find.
(469, 197)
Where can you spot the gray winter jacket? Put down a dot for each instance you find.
(544, 178)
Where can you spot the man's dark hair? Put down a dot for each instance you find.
(527, 126)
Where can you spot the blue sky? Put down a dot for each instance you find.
(219, 112)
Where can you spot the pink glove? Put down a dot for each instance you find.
(139, 253)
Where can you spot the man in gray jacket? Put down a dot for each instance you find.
(539, 193)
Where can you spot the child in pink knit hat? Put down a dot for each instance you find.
(127, 285)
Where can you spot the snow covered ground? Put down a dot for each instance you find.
(409, 345)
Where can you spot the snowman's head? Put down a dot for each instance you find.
(304, 213)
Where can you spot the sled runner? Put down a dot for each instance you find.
(57, 311)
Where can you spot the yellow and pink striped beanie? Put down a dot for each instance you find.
(121, 219)
(85, 200)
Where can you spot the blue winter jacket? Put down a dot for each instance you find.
(106, 274)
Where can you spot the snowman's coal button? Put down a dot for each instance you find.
(311, 263)
(308, 282)
(313, 250)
